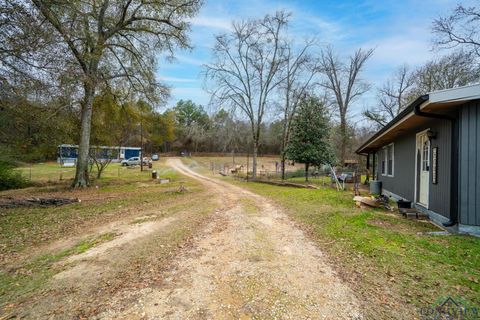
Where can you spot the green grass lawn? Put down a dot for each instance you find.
(49, 172)
(385, 256)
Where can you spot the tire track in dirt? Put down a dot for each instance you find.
(249, 262)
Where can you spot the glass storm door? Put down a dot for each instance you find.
(423, 168)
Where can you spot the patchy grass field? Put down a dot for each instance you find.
(386, 258)
(266, 165)
(35, 242)
(268, 169)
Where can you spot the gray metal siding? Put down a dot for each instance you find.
(403, 181)
(439, 196)
(469, 164)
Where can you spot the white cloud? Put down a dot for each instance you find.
(212, 22)
(191, 60)
(397, 50)
(175, 79)
(328, 30)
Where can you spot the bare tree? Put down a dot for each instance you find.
(343, 82)
(393, 97)
(460, 28)
(107, 43)
(101, 158)
(299, 72)
(453, 70)
(247, 63)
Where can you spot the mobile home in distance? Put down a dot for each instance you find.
(430, 155)
(68, 153)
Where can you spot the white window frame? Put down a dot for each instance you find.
(383, 164)
(385, 159)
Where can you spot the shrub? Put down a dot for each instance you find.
(9, 178)
(299, 173)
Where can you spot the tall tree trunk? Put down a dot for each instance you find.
(284, 145)
(254, 158)
(343, 133)
(307, 165)
(81, 175)
(285, 129)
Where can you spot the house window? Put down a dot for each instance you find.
(426, 157)
(388, 161)
(383, 163)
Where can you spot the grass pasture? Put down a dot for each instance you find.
(33, 240)
(52, 172)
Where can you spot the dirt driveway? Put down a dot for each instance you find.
(250, 261)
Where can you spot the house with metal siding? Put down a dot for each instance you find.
(430, 155)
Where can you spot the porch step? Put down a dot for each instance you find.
(413, 213)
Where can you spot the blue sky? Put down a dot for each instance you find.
(400, 32)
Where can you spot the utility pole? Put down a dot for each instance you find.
(141, 145)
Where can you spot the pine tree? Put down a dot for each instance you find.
(309, 143)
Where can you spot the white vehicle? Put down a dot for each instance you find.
(133, 161)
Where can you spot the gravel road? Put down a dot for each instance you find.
(249, 262)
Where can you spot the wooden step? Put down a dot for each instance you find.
(413, 213)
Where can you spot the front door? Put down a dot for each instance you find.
(423, 168)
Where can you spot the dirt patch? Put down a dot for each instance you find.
(87, 269)
(127, 234)
(382, 223)
(417, 226)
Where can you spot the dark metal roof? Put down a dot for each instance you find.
(399, 117)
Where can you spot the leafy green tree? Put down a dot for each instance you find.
(162, 130)
(31, 129)
(189, 113)
(309, 140)
(112, 124)
(193, 123)
(99, 43)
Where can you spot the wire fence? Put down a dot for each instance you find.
(54, 172)
(316, 176)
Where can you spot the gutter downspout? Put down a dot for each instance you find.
(453, 177)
